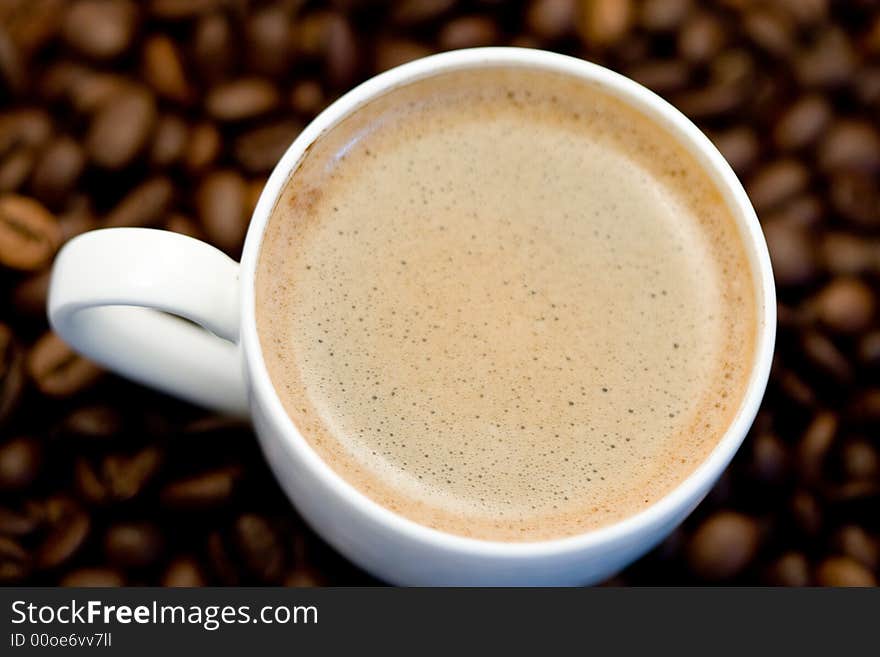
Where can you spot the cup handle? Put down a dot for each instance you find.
(107, 288)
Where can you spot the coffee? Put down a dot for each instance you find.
(506, 305)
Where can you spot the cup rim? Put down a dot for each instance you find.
(689, 491)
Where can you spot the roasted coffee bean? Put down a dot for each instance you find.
(163, 69)
(407, 13)
(845, 305)
(95, 422)
(12, 65)
(701, 38)
(179, 223)
(222, 563)
(94, 90)
(133, 544)
(145, 205)
(56, 370)
(855, 196)
(551, 19)
(259, 150)
(93, 577)
(16, 168)
(791, 569)
(259, 547)
(268, 40)
(776, 182)
(245, 98)
(121, 128)
(794, 388)
(770, 460)
(24, 127)
(213, 46)
(69, 530)
(183, 571)
(304, 577)
(828, 62)
(307, 97)
(791, 252)
(341, 53)
(222, 202)
(468, 32)
(125, 477)
(20, 460)
(77, 217)
(854, 542)
(89, 486)
(394, 52)
(825, 356)
(843, 571)
(202, 148)
(14, 561)
(814, 445)
(861, 460)
(98, 28)
(169, 141)
(209, 489)
(806, 513)
(17, 523)
(714, 100)
(183, 9)
(12, 376)
(850, 144)
(57, 170)
(662, 76)
(723, 546)
(601, 23)
(802, 122)
(29, 234)
(770, 30)
(869, 349)
(845, 253)
(663, 15)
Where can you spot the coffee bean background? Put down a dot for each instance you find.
(171, 113)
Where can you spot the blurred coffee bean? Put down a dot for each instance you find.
(663, 15)
(802, 122)
(57, 170)
(407, 13)
(93, 422)
(843, 571)
(202, 147)
(183, 9)
(89, 486)
(213, 47)
(20, 460)
(468, 32)
(701, 37)
(854, 542)
(92, 90)
(69, 529)
(100, 28)
(551, 19)
(661, 76)
(826, 357)
(739, 146)
(179, 223)
(307, 97)
(164, 71)
(770, 461)
(850, 144)
(601, 23)
(827, 62)
(14, 561)
(791, 252)
(341, 51)
(259, 150)
(12, 376)
(845, 253)
(121, 128)
(145, 205)
(771, 30)
(776, 182)
(856, 197)
(32, 23)
(240, 99)
(268, 40)
(794, 388)
(17, 523)
(791, 569)
(222, 204)
(806, 513)
(29, 234)
(304, 577)
(169, 141)
(77, 217)
(861, 460)
(814, 445)
(133, 544)
(723, 546)
(260, 548)
(93, 577)
(24, 127)
(869, 349)
(845, 305)
(16, 168)
(125, 477)
(220, 560)
(56, 370)
(394, 52)
(209, 489)
(12, 65)
(183, 572)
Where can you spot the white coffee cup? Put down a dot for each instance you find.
(107, 285)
